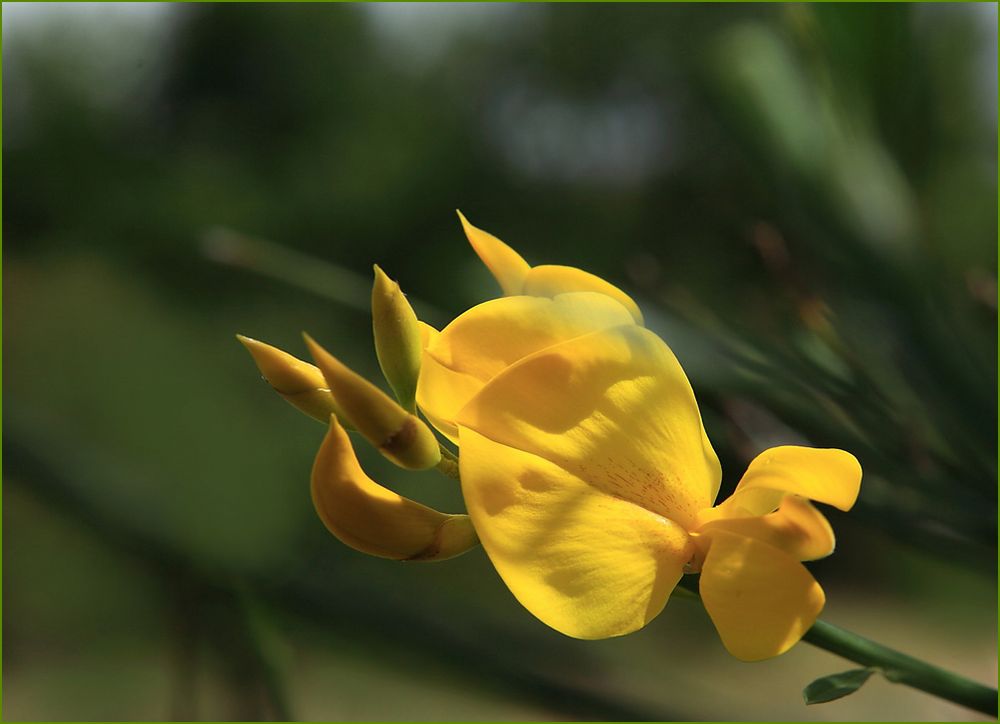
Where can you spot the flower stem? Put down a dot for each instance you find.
(894, 665)
(903, 669)
(448, 463)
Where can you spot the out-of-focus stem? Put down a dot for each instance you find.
(296, 269)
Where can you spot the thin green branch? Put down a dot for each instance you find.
(902, 668)
(897, 667)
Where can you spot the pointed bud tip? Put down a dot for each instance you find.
(313, 345)
(270, 360)
(507, 266)
(300, 383)
(331, 367)
(249, 342)
(384, 284)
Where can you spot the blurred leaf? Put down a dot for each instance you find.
(836, 686)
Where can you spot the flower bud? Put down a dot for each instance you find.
(300, 383)
(397, 338)
(399, 435)
(375, 520)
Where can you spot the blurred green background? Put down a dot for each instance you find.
(802, 198)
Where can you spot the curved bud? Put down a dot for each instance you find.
(399, 435)
(397, 338)
(507, 266)
(375, 520)
(300, 383)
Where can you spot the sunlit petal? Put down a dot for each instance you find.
(549, 280)
(427, 334)
(828, 476)
(504, 263)
(587, 563)
(760, 599)
(796, 527)
(612, 408)
(491, 336)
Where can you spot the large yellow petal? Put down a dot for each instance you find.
(375, 520)
(506, 265)
(549, 280)
(760, 599)
(488, 338)
(613, 408)
(828, 476)
(586, 563)
(796, 527)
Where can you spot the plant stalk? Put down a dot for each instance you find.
(902, 668)
(894, 665)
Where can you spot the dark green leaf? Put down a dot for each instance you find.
(835, 686)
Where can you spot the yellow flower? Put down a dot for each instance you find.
(585, 468)
(589, 478)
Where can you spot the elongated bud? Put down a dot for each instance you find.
(397, 338)
(375, 520)
(399, 435)
(300, 383)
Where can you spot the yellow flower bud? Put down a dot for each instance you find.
(399, 435)
(397, 338)
(300, 383)
(375, 520)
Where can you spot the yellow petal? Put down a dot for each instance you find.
(300, 383)
(828, 476)
(613, 408)
(399, 435)
(491, 336)
(397, 338)
(796, 527)
(760, 599)
(586, 563)
(549, 280)
(374, 520)
(504, 263)
(427, 334)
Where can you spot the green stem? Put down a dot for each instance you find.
(897, 667)
(901, 668)
(449, 463)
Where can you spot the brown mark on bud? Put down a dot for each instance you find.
(401, 440)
